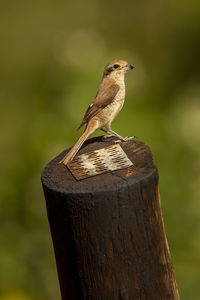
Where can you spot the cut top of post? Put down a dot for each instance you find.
(58, 177)
(100, 161)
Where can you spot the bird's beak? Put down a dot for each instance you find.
(128, 67)
(131, 67)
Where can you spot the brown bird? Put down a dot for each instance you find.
(106, 105)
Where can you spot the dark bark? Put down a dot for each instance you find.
(108, 230)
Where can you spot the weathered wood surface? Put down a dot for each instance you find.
(108, 231)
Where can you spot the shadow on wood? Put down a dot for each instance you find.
(108, 231)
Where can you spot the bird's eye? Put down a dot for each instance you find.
(116, 66)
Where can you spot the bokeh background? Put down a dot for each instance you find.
(52, 56)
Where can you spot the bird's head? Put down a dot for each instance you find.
(116, 68)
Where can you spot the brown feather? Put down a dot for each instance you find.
(105, 95)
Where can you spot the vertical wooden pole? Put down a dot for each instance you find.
(108, 230)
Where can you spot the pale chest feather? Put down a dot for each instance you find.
(118, 101)
(111, 111)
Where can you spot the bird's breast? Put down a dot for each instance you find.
(111, 110)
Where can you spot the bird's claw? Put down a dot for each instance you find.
(129, 138)
(126, 139)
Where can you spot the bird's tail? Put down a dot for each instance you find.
(70, 155)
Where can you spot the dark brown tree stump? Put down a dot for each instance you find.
(108, 230)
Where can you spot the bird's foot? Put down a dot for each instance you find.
(129, 138)
(125, 139)
(120, 138)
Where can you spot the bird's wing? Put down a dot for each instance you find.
(105, 96)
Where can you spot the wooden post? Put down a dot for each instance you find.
(107, 230)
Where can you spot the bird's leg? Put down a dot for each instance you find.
(119, 136)
(108, 134)
(116, 134)
(104, 130)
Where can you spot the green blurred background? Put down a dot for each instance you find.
(52, 57)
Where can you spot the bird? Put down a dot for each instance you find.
(105, 107)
